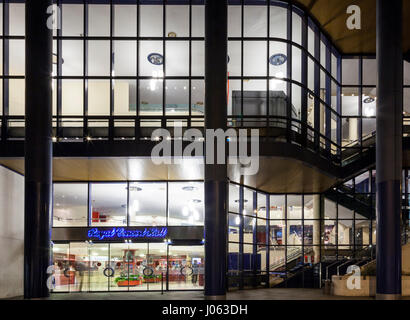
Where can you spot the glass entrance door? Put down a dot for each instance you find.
(186, 267)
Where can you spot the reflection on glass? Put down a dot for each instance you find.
(147, 204)
(70, 205)
(108, 204)
(186, 267)
(186, 203)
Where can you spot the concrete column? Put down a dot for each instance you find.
(216, 36)
(389, 147)
(38, 150)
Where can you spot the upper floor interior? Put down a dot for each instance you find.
(122, 69)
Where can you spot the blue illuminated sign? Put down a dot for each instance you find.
(123, 233)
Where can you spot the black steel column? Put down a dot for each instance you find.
(38, 149)
(215, 174)
(389, 147)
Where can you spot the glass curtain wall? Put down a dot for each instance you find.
(275, 238)
(114, 204)
(283, 73)
(88, 267)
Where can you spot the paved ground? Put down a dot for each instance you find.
(259, 294)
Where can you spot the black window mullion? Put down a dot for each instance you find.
(190, 66)
(317, 114)
(6, 31)
(59, 72)
(267, 66)
(328, 101)
(289, 74)
(85, 71)
(241, 236)
(304, 92)
(137, 101)
(164, 121)
(267, 231)
(242, 59)
(112, 58)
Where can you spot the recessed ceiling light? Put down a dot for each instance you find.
(172, 34)
(278, 59)
(368, 100)
(155, 58)
(135, 188)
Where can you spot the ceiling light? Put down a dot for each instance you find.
(369, 100)
(277, 59)
(172, 34)
(196, 200)
(155, 59)
(237, 221)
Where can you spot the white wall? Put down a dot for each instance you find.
(11, 233)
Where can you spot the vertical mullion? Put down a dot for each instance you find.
(328, 99)
(254, 238)
(267, 66)
(241, 227)
(361, 103)
(285, 237)
(289, 73)
(6, 29)
(190, 66)
(137, 102)
(85, 70)
(304, 115)
(112, 57)
(164, 8)
(267, 233)
(339, 105)
(59, 70)
(303, 240)
(317, 102)
(242, 57)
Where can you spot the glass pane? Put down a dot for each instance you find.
(198, 21)
(151, 59)
(254, 58)
(177, 20)
(350, 71)
(157, 265)
(98, 263)
(234, 21)
(99, 19)
(79, 267)
(109, 204)
(98, 97)
(17, 57)
(63, 277)
(147, 204)
(350, 101)
(278, 22)
(177, 97)
(72, 58)
(255, 21)
(296, 28)
(186, 203)
(72, 19)
(72, 97)
(150, 97)
(17, 99)
(125, 20)
(125, 58)
(369, 72)
(17, 19)
(177, 58)
(70, 205)
(125, 95)
(198, 97)
(198, 58)
(149, 13)
(186, 267)
(99, 58)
